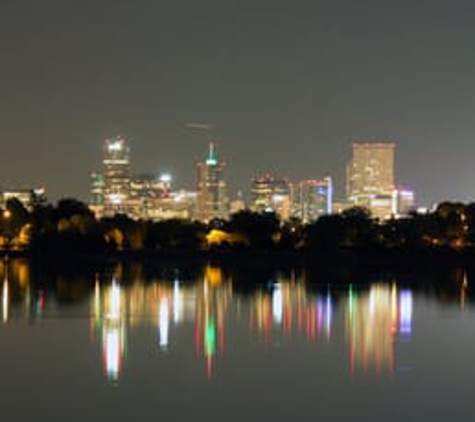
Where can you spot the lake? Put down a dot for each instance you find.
(210, 343)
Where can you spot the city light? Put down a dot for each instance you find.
(116, 146)
(165, 178)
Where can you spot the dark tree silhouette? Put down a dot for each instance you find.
(261, 230)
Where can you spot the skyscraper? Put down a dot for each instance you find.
(116, 173)
(270, 193)
(312, 199)
(370, 177)
(212, 201)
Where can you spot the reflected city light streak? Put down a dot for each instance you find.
(114, 303)
(328, 315)
(40, 304)
(112, 353)
(176, 302)
(405, 324)
(5, 300)
(163, 323)
(464, 290)
(113, 332)
(277, 304)
(210, 345)
(97, 302)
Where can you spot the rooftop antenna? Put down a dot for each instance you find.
(204, 128)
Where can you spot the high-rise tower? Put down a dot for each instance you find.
(312, 199)
(116, 175)
(212, 201)
(370, 177)
(271, 193)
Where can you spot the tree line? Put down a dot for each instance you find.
(70, 227)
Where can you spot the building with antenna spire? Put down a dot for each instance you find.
(212, 201)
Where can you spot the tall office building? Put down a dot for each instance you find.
(270, 193)
(370, 178)
(116, 173)
(211, 201)
(312, 199)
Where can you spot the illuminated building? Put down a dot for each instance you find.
(179, 204)
(96, 203)
(370, 178)
(28, 197)
(147, 194)
(271, 194)
(150, 187)
(405, 200)
(383, 206)
(312, 199)
(237, 204)
(211, 201)
(116, 165)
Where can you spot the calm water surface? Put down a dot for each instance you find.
(122, 347)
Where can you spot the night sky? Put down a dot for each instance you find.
(288, 86)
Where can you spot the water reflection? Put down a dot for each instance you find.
(5, 299)
(281, 308)
(290, 307)
(208, 314)
(374, 319)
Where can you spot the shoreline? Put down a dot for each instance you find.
(353, 258)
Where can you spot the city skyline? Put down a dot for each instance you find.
(237, 210)
(370, 183)
(286, 89)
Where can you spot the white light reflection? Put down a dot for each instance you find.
(163, 322)
(113, 334)
(112, 353)
(176, 302)
(405, 323)
(5, 298)
(277, 303)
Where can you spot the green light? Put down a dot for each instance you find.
(352, 301)
(211, 160)
(210, 337)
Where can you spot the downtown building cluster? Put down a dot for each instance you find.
(370, 184)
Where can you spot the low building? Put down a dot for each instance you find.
(27, 196)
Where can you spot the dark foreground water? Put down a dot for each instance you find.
(210, 347)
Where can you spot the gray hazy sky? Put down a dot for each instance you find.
(289, 85)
